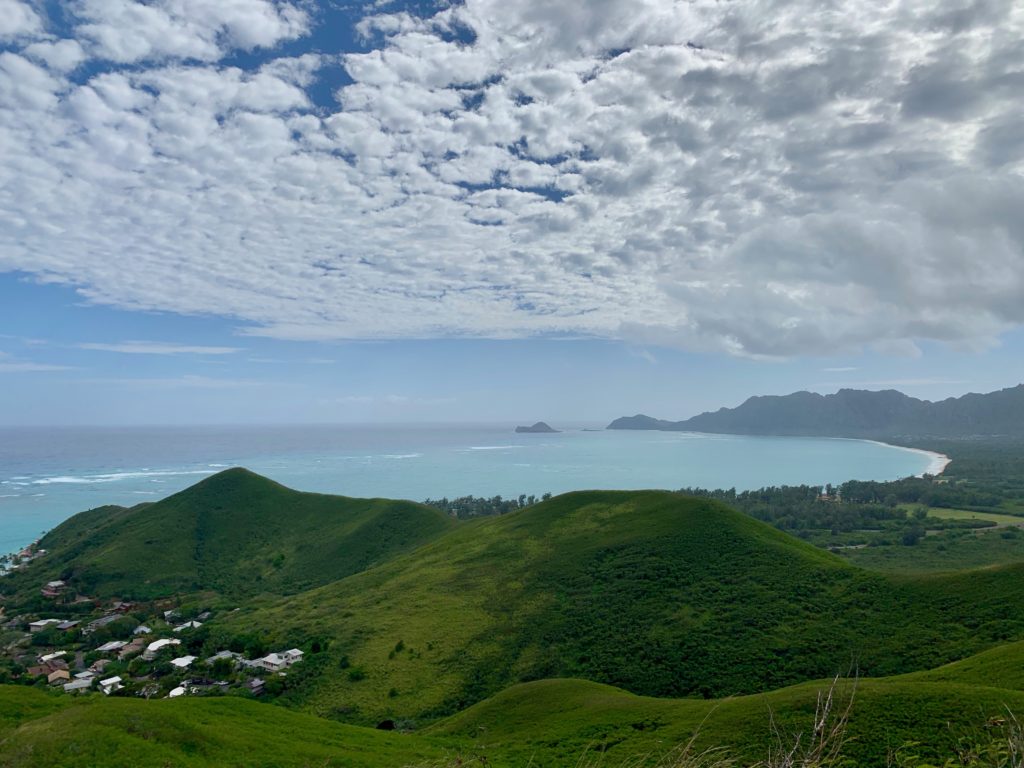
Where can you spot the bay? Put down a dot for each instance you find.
(49, 474)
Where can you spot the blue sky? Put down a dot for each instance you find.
(136, 368)
(297, 211)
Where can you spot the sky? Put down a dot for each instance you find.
(280, 211)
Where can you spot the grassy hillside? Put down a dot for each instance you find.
(236, 533)
(554, 721)
(37, 729)
(649, 591)
(546, 724)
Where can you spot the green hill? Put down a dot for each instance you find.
(649, 591)
(236, 533)
(552, 722)
(37, 729)
(546, 724)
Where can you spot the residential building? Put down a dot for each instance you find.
(110, 685)
(158, 645)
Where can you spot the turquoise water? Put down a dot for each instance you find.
(47, 475)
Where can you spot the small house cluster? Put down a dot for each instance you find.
(84, 645)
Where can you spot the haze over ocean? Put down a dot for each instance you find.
(48, 474)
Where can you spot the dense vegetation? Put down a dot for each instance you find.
(465, 507)
(235, 533)
(457, 628)
(652, 592)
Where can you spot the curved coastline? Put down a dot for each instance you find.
(937, 461)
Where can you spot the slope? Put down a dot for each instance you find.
(856, 413)
(649, 591)
(547, 724)
(553, 722)
(96, 732)
(236, 533)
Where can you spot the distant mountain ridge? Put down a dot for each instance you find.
(856, 413)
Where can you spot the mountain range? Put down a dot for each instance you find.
(856, 413)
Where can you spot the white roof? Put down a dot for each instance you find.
(51, 656)
(183, 661)
(179, 691)
(189, 625)
(110, 681)
(156, 645)
(43, 622)
(273, 658)
(293, 652)
(142, 629)
(55, 583)
(113, 645)
(87, 675)
(78, 685)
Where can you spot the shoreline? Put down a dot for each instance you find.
(937, 461)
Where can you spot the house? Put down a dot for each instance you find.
(47, 658)
(275, 662)
(113, 645)
(122, 607)
(188, 625)
(87, 675)
(142, 629)
(158, 645)
(77, 686)
(38, 670)
(255, 686)
(58, 676)
(100, 664)
(168, 615)
(41, 624)
(176, 692)
(183, 662)
(110, 685)
(204, 616)
(53, 589)
(67, 626)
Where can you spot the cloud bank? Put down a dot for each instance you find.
(763, 178)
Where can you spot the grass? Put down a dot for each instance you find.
(37, 729)
(481, 632)
(235, 533)
(964, 514)
(944, 552)
(544, 724)
(655, 593)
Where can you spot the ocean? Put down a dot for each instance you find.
(49, 474)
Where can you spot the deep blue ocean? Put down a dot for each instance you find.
(48, 474)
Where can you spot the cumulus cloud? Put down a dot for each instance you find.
(18, 19)
(767, 179)
(128, 31)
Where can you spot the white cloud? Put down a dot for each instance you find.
(8, 364)
(60, 56)
(763, 179)
(18, 19)
(158, 348)
(128, 31)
